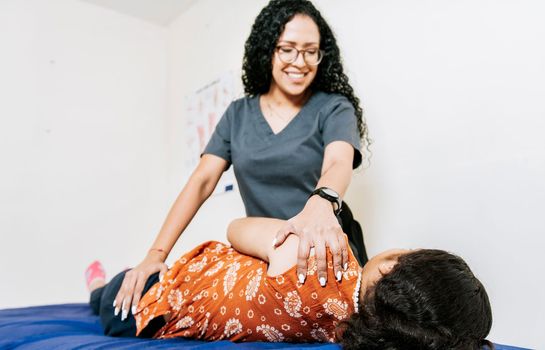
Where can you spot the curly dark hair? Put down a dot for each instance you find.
(430, 300)
(260, 46)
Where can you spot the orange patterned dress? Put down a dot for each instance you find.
(214, 292)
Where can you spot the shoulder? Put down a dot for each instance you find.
(330, 101)
(284, 257)
(333, 109)
(244, 104)
(238, 110)
(330, 106)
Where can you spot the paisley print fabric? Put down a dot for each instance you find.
(214, 292)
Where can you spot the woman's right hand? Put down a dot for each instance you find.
(130, 292)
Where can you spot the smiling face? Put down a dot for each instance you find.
(379, 266)
(293, 79)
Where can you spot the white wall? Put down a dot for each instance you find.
(83, 176)
(451, 92)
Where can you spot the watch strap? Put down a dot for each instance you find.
(322, 192)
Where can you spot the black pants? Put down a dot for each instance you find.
(353, 230)
(102, 300)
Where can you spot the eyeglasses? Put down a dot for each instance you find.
(289, 54)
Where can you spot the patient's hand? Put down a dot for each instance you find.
(130, 292)
(317, 227)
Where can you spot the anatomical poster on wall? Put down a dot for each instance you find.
(204, 109)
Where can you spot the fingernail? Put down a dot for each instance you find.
(301, 278)
(338, 275)
(322, 281)
(124, 314)
(113, 305)
(133, 309)
(116, 311)
(345, 266)
(160, 278)
(274, 242)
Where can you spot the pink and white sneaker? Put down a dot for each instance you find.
(94, 272)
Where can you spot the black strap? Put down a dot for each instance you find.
(353, 230)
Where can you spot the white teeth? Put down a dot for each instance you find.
(296, 75)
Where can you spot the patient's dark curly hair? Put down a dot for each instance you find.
(430, 300)
(260, 46)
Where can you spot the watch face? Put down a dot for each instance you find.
(330, 192)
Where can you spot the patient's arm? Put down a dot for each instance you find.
(254, 236)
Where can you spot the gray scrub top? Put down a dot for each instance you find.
(277, 172)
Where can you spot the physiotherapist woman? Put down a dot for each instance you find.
(293, 141)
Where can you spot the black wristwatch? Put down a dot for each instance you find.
(330, 195)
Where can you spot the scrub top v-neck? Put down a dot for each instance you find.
(268, 127)
(276, 172)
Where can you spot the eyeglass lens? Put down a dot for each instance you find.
(289, 54)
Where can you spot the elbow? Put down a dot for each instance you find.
(206, 187)
(231, 229)
(203, 183)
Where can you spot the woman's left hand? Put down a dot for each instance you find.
(318, 228)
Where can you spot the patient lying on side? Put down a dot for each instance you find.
(401, 299)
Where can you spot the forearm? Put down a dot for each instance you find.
(336, 177)
(198, 188)
(337, 168)
(180, 215)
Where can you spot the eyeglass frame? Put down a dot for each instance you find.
(302, 51)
